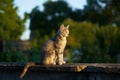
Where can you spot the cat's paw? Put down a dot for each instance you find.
(54, 63)
(61, 62)
(64, 62)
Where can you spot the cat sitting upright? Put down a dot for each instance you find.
(52, 50)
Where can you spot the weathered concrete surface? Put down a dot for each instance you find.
(83, 71)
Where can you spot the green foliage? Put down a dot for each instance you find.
(12, 56)
(20, 56)
(102, 12)
(93, 41)
(11, 26)
(32, 55)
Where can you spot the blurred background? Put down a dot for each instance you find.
(94, 29)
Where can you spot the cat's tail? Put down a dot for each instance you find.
(30, 64)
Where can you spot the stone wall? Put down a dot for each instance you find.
(84, 71)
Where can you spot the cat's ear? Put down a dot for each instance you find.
(67, 27)
(62, 27)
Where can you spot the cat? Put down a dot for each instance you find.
(52, 50)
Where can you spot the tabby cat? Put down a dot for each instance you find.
(52, 50)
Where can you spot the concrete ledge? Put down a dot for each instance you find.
(77, 71)
(76, 67)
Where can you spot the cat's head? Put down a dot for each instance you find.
(64, 31)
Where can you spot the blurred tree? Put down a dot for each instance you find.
(78, 15)
(112, 7)
(97, 44)
(92, 11)
(107, 41)
(102, 12)
(11, 26)
(82, 37)
(56, 11)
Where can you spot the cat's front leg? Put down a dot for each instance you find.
(60, 59)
